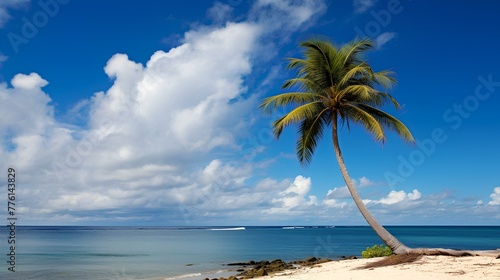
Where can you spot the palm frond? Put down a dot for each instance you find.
(319, 67)
(272, 103)
(359, 93)
(302, 84)
(361, 69)
(371, 124)
(355, 47)
(301, 113)
(311, 131)
(389, 121)
(385, 78)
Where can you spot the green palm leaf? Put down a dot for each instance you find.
(301, 113)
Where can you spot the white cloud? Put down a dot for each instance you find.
(150, 138)
(361, 6)
(25, 108)
(395, 197)
(3, 58)
(294, 196)
(159, 101)
(495, 197)
(30, 81)
(9, 4)
(333, 203)
(220, 12)
(340, 192)
(414, 195)
(301, 186)
(383, 38)
(279, 15)
(343, 192)
(365, 182)
(224, 175)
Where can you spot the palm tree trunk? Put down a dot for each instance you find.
(391, 241)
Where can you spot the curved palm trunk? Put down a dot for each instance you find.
(391, 241)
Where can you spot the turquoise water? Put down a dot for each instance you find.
(167, 252)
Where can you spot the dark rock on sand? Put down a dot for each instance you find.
(265, 267)
(349, 257)
(261, 272)
(230, 278)
(242, 263)
(310, 261)
(262, 264)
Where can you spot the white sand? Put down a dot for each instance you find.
(428, 267)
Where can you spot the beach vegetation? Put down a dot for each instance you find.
(376, 251)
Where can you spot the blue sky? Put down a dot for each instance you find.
(146, 113)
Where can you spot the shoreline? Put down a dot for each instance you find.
(234, 269)
(428, 267)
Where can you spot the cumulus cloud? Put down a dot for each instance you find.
(30, 81)
(364, 182)
(149, 140)
(151, 124)
(5, 5)
(414, 195)
(333, 203)
(395, 197)
(340, 192)
(495, 197)
(159, 100)
(301, 186)
(295, 194)
(361, 6)
(25, 108)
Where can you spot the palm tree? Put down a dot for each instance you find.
(336, 86)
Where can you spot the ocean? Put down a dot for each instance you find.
(46, 252)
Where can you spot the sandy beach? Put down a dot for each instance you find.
(428, 267)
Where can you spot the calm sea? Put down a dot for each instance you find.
(172, 252)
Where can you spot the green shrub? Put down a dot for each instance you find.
(376, 251)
